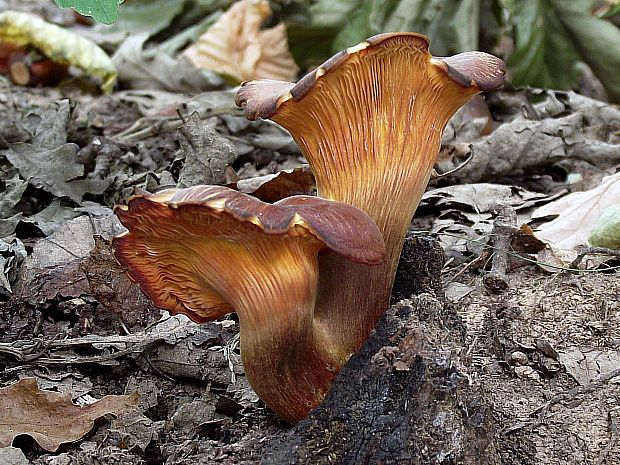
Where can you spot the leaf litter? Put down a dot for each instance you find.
(78, 324)
(51, 418)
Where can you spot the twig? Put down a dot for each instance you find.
(436, 175)
(503, 228)
(33, 351)
(150, 126)
(562, 397)
(586, 250)
(576, 391)
(613, 426)
(531, 260)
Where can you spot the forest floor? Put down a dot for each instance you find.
(544, 353)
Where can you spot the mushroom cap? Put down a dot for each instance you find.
(369, 121)
(478, 70)
(170, 232)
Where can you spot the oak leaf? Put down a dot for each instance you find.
(236, 47)
(50, 418)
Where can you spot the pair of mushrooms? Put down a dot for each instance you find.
(309, 277)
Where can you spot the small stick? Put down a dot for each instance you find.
(615, 432)
(564, 397)
(503, 228)
(586, 250)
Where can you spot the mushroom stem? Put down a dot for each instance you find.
(288, 359)
(370, 288)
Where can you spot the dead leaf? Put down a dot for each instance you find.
(50, 418)
(524, 240)
(555, 260)
(111, 286)
(58, 44)
(577, 214)
(153, 69)
(207, 154)
(55, 171)
(13, 456)
(47, 125)
(54, 267)
(191, 415)
(13, 189)
(8, 225)
(456, 291)
(564, 126)
(62, 380)
(274, 187)
(136, 430)
(482, 197)
(585, 364)
(236, 47)
(11, 257)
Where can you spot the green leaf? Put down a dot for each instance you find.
(607, 231)
(150, 16)
(598, 42)
(543, 54)
(453, 25)
(613, 10)
(104, 11)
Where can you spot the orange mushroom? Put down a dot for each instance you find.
(206, 251)
(369, 121)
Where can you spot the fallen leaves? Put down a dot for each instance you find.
(50, 417)
(607, 231)
(236, 47)
(12, 254)
(155, 69)
(206, 153)
(55, 170)
(577, 214)
(58, 44)
(545, 127)
(585, 364)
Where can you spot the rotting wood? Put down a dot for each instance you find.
(405, 397)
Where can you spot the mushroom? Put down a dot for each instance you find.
(206, 251)
(369, 121)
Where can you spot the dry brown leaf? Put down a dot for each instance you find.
(274, 187)
(235, 45)
(50, 417)
(577, 214)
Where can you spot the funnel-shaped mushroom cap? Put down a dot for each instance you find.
(401, 59)
(369, 120)
(191, 250)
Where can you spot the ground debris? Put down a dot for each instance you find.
(51, 418)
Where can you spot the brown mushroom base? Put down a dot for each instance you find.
(288, 359)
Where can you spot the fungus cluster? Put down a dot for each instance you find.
(310, 276)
